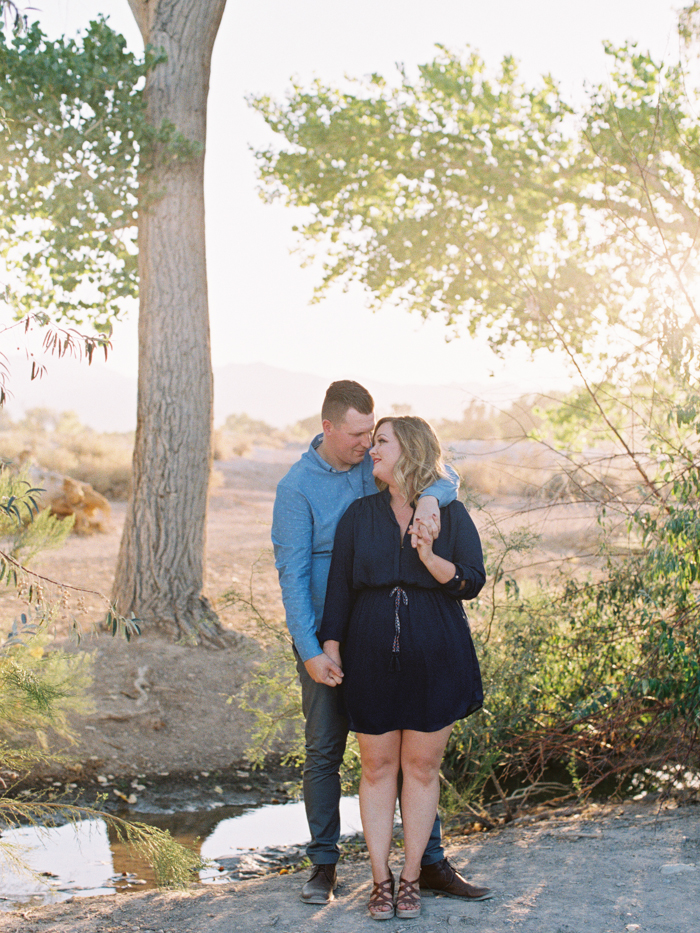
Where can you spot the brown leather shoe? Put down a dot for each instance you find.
(443, 879)
(320, 886)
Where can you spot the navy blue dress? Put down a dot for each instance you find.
(408, 655)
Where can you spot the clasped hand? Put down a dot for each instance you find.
(422, 536)
(325, 669)
(426, 524)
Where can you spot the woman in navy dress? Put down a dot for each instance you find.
(395, 623)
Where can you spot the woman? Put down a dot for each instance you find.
(393, 620)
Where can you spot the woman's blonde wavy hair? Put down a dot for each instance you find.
(420, 462)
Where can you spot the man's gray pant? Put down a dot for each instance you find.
(326, 735)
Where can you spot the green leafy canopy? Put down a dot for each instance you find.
(72, 141)
(497, 205)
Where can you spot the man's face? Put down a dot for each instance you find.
(348, 442)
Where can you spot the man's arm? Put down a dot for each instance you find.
(444, 490)
(431, 500)
(292, 539)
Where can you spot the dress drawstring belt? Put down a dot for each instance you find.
(399, 594)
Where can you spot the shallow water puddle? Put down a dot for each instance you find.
(87, 859)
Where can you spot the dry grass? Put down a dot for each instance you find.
(538, 510)
(535, 470)
(240, 434)
(59, 444)
(102, 460)
(498, 470)
(490, 468)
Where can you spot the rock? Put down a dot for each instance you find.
(66, 496)
(676, 869)
(258, 862)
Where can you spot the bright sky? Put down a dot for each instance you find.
(259, 295)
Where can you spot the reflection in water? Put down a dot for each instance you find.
(279, 825)
(90, 859)
(71, 860)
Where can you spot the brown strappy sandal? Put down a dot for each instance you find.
(381, 900)
(408, 899)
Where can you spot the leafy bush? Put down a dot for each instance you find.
(40, 686)
(30, 531)
(600, 676)
(306, 429)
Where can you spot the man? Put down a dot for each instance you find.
(310, 500)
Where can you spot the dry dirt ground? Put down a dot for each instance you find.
(612, 869)
(160, 707)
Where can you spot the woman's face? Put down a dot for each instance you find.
(385, 452)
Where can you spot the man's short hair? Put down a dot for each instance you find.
(343, 395)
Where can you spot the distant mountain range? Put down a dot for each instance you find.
(281, 397)
(106, 400)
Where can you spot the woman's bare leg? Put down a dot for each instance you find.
(380, 756)
(421, 756)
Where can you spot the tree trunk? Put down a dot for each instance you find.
(161, 559)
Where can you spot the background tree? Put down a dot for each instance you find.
(72, 132)
(161, 559)
(508, 213)
(494, 204)
(87, 154)
(437, 192)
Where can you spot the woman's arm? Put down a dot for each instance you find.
(443, 570)
(431, 500)
(332, 649)
(464, 575)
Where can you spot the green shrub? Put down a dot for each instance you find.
(40, 686)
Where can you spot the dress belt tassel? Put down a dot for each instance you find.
(399, 594)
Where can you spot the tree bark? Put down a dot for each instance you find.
(160, 567)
